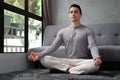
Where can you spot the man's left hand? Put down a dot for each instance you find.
(98, 61)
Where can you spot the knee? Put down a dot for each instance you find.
(93, 68)
(96, 68)
(45, 59)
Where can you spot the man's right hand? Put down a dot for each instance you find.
(33, 56)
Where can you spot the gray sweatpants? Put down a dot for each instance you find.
(79, 66)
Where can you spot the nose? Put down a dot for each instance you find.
(73, 14)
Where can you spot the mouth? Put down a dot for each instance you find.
(72, 17)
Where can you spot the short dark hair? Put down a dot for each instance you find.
(77, 6)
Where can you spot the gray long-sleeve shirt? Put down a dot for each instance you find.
(76, 40)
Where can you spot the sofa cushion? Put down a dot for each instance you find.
(110, 53)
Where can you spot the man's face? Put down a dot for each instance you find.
(74, 14)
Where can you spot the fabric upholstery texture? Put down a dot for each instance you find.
(106, 34)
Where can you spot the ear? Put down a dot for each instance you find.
(80, 15)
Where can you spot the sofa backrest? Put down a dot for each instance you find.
(105, 34)
(50, 34)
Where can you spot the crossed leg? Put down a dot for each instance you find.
(73, 66)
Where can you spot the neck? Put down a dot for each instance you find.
(75, 24)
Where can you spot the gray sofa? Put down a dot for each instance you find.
(107, 38)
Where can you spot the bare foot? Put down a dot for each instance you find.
(68, 69)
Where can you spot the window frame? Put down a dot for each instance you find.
(22, 12)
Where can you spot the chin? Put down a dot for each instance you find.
(73, 20)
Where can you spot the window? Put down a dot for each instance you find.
(35, 7)
(20, 19)
(13, 32)
(35, 33)
(16, 3)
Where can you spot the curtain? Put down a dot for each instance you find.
(47, 16)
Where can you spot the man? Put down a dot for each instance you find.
(77, 38)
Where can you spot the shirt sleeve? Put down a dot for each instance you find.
(92, 44)
(56, 43)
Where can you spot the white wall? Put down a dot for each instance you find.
(94, 11)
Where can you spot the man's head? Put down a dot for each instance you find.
(75, 13)
(77, 6)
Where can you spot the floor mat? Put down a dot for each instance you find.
(44, 74)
